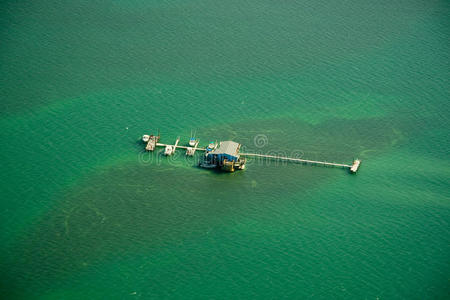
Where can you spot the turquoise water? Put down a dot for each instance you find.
(86, 213)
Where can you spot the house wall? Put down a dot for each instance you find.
(221, 157)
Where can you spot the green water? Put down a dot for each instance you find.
(87, 214)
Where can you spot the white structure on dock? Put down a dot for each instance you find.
(354, 168)
(151, 141)
(170, 149)
(190, 151)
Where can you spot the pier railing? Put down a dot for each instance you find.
(306, 161)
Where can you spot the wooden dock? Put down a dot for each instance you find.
(152, 142)
(190, 151)
(353, 168)
(178, 146)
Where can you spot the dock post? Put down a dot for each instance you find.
(176, 144)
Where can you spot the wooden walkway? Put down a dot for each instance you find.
(313, 162)
(178, 146)
(353, 167)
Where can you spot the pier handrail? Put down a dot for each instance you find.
(297, 159)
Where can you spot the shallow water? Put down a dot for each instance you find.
(87, 213)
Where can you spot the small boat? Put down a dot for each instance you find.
(192, 141)
(211, 146)
(145, 138)
(168, 150)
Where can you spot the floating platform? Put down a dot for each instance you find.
(354, 168)
(151, 140)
